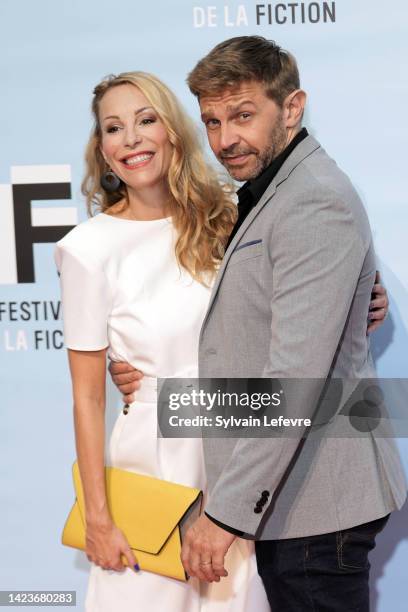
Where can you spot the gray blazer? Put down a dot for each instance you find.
(291, 301)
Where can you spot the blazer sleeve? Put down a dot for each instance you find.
(317, 255)
(86, 299)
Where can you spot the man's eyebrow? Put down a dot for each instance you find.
(140, 110)
(231, 108)
(205, 116)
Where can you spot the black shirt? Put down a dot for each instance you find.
(248, 196)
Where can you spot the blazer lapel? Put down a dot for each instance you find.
(303, 150)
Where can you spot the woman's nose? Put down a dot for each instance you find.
(132, 137)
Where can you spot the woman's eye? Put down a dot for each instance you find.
(147, 120)
(112, 129)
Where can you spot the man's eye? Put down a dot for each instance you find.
(244, 116)
(212, 123)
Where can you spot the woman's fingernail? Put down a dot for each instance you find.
(137, 568)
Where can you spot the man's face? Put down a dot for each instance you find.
(245, 129)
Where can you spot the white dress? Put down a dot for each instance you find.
(123, 289)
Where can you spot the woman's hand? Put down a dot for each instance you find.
(105, 543)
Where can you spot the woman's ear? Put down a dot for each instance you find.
(103, 155)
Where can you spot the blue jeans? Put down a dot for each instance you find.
(323, 573)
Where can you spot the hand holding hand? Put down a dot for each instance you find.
(204, 548)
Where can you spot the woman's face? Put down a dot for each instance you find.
(134, 142)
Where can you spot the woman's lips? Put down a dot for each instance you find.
(137, 161)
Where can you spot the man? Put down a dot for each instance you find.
(290, 301)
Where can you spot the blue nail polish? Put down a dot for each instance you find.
(137, 568)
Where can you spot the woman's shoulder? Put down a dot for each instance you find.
(91, 238)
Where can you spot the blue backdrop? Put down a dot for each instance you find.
(352, 58)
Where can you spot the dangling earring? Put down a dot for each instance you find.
(110, 182)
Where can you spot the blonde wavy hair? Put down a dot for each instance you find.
(203, 211)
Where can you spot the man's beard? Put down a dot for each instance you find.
(276, 143)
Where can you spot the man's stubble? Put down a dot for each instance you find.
(276, 143)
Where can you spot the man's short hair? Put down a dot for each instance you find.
(246, 58)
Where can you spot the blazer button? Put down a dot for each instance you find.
(257, 510)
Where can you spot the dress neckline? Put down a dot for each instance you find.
(161, 220)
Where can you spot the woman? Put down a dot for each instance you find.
(135, 284)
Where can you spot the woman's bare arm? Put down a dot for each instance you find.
(104, 541)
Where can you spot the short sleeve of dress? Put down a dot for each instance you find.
(86, 300)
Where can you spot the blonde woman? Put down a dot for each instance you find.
(135, 285)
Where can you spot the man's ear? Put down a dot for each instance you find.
(293, 108)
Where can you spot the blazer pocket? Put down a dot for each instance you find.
(246, 251)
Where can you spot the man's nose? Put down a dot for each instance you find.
(228, 137)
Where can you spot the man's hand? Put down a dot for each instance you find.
(126, 378)
(378, 306)
(204, 548)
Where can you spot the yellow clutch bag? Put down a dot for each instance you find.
(152, 514)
